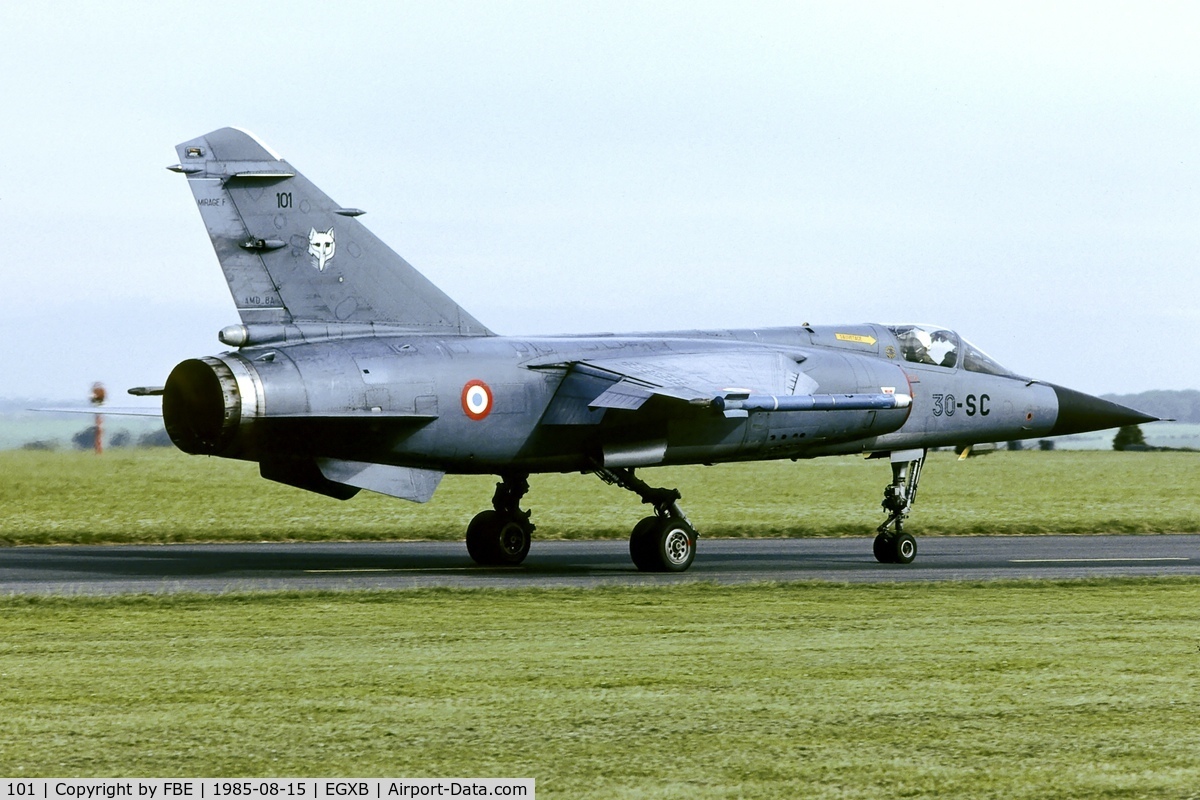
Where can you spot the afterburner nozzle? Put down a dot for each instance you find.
(1079, 413)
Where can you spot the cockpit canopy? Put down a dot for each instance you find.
(940, 347)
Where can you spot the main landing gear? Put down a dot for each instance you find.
(500, 537)
(665, 542)
(896, 546)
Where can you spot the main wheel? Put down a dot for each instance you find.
(663, 544)
(496, 539)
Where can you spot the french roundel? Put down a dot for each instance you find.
(477, 399)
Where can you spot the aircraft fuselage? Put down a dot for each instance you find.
(407, 401)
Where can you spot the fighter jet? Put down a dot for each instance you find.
(350, 370)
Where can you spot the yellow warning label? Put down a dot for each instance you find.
(854, 337)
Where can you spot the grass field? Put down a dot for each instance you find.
(1003, 690)
(161, 495)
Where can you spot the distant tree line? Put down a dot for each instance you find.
(86, 439)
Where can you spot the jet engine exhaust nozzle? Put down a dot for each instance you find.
(202, 406)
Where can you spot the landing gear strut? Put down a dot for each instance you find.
(500, 536)
(896, 546)
(665, 542)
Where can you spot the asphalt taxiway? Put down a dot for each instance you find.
(218, 568)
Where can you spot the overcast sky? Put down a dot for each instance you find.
(1026, 174)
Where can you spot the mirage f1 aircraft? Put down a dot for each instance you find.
(352, 371)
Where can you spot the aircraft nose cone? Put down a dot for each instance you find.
(1079, 412)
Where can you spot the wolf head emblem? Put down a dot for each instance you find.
(321, 247)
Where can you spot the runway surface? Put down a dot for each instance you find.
(398, 565)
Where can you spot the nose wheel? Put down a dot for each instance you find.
(895, 548)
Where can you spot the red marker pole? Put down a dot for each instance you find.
(98, 400)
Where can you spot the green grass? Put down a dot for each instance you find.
(1002, 690)
(165, 496)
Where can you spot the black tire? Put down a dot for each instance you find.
(668, 545)
(495, 539)
(883, 549)
(482, 537)
(641, 544)
(904, 549)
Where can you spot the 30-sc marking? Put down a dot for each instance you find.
(947, 404)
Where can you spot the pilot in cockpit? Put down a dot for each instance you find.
(943, 350)
(915, 344)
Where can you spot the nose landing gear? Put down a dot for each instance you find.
(892, 544)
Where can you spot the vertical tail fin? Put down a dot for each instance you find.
(292, 255)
